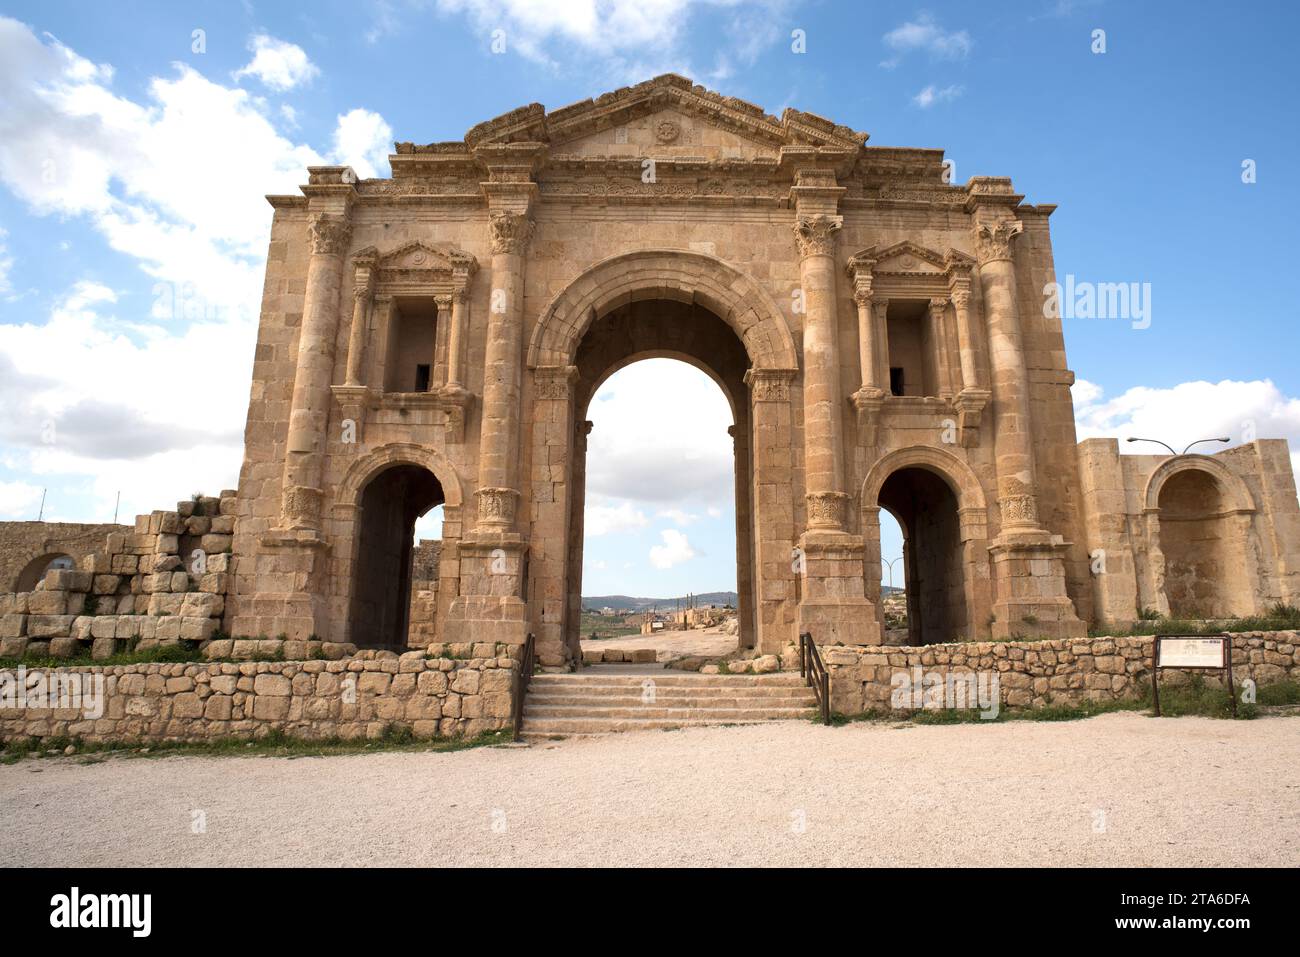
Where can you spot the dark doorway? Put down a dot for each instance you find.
(381, 595)
(926, 510)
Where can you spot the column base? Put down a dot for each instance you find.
(490, 606)
(833, 606)
(1029, 582)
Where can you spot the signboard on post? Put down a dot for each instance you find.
(1192, 653)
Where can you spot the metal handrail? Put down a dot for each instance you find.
(812, 668)
(527, 662)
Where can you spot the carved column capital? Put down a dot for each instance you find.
(938, 304)
(770, 385)
(496, 507)
(815, 235)
(444, 303)
(330, 234)
(827, 509)
(511, 231)
(993, 239)
(961, 297)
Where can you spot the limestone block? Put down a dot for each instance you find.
(13, 625)
(47, 602)
(180, 581)
(104, 648)
(202, 605)
(13, 647)
(106, 584)
(67, 579)
(215, 544)
(272, 685)
(65, 647)
(197, 629)
(223, 525)
(49, 626)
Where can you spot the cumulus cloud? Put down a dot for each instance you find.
(113, 385)
(679, 517)
(19, 501)
(924, 34)
(279, 64)
(361, 140)
(1181, 414)
(613, 519)
(660, 437)
(933, 94)
(674, 550)
(626, 39)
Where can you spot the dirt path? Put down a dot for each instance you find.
(709, 642)
(1119, 789)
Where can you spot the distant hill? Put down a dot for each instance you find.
(628, 603)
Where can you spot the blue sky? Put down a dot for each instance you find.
(134, 152)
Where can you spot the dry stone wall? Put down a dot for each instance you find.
(358, 698)
(160, 582)
(1038, 673)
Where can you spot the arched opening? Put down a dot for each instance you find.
(1204, 570)
(660, 503)
(35, 570)
(925, 507)
(390, 505)
(893, 578)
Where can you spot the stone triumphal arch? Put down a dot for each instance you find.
(434, 338)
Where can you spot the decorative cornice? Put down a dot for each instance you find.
(815, 235)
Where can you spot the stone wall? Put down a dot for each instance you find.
(432, 697)
(26, 547)
(1038, 673)
(161, 582)
(423, 627)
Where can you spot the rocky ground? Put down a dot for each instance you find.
(705, 642)
(1120, 789)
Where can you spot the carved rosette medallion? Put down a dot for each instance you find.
(815, 235)
(510, 231)
(667, 131)
(301, 506)
(496, 507)
(330, 235)
(993, 240)
(827, 509)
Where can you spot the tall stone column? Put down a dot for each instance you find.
(1028, 562)
(309, 410)
(832, 602)
(873, 353)
(459, 317)
(498, 489)
(822, 429)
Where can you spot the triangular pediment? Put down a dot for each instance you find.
(909, 258)
(707, 123)
(418, 255)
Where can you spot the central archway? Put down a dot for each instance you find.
(699, 309)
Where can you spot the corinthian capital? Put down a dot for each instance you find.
(815, 235)
(993, 240)
(330, 235)
(510, 231)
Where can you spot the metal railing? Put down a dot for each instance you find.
(811, 668)
(527, 663)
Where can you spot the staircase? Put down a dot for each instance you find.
(598, 702)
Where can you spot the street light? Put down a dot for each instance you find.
(889, 565)
(1184, 451)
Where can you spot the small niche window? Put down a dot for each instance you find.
(411, 342)
(422, 377)
(913, 348)
(895, 380)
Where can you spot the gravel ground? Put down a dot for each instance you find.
(1118, 789)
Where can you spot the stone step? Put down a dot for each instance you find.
(568, 727)
(721, 700)
(668, 691)
(666, 679)
(536, 713)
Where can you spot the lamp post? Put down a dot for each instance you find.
(889, 565)
(1171, 448)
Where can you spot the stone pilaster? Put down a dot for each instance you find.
(363, 290)
(438, 362)
(1028, 562)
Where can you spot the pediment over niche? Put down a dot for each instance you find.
(907, 258)
(419, 262)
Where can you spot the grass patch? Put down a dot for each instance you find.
(276, 744)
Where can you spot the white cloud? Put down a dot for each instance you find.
(612, 519)
(925, 34)
(277, 63)
(19, 500)
(932, 95)
(175, 181)
(675, 550)
(679, 517)
(628, 39)
(1189, 411)
(362, 140)
(660, 436)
